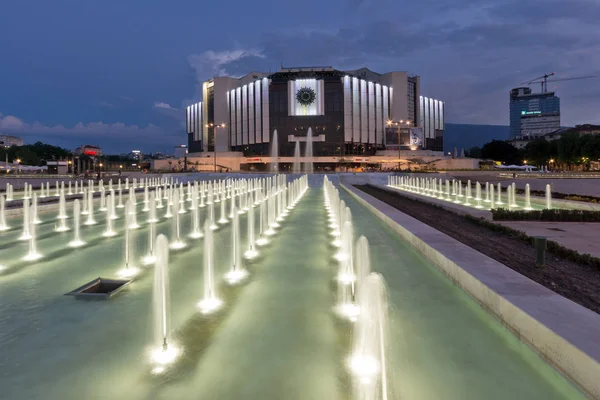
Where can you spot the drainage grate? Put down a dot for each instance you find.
(99, 289)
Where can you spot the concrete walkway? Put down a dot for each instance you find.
(581, 237)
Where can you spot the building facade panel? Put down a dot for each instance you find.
(347, 109)
(251, 131)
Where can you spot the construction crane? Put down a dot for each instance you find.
(543, 80)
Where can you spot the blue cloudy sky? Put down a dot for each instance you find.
(118, 72)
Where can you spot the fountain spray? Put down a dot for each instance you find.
(129, 270)
(237, 272)
(76, 242)
(210, 302)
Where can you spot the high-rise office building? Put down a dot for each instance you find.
(533, 114)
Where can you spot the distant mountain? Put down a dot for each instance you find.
(463, 136)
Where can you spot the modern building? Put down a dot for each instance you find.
(89, 150)
(136, 155)
(349, 113)
(9, 141)
(533, 114)
(180, 151)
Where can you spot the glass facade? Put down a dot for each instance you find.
(524, 104)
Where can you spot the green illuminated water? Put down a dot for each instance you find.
(276, 339)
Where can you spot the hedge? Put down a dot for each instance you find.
(554, 215)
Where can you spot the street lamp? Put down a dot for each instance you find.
(212, 125)
(399, 124)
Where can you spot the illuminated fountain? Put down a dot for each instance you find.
(76, 242)
(478, 195)
(362, 259)
(150, 258)
(131, 211)
(527, 198)
(210, 302)
(487, 192)
(251, 252)
(346, 277)
(271, 223)
(109, 232)
(513, 200)
(211, 214)
(164, 351)
(62, 225)
(368, 363)
(102, 199)
(3, 225)
(274, 153)
(499, 201)
(308, 164)
(32, 254)
(169, 204)
(468, 196)
(263, 224)
(176, 243)
(90, 209)
(146, 200)
(34, 209)
(236, 272)
(296, 166)
(129, 269)
(159, 197)
(196, 231)
(120, 204)
(111, 206)
(132, 197)
(223, 219)
(25, 235)
(180, 203)
(62, 209)
(492, 197)
(548, 199)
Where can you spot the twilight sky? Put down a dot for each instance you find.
(118, 72)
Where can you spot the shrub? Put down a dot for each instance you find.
(555, 215)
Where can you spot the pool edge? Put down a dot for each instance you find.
(513, 309)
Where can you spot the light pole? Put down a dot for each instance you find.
(211, 125)
(399, 125)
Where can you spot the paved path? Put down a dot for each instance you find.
(581, 237)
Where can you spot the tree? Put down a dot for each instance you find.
(539, 151)
(499, 150)
(34, 154)
(569, 151)
(474, 152)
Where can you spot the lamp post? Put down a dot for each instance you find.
(399, 125)
(212, 125)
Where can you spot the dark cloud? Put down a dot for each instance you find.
(469, 53)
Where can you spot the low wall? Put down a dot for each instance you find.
(562, 332)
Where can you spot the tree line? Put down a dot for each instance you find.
(572, 149)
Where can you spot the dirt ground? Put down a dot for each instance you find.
(579, 283)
